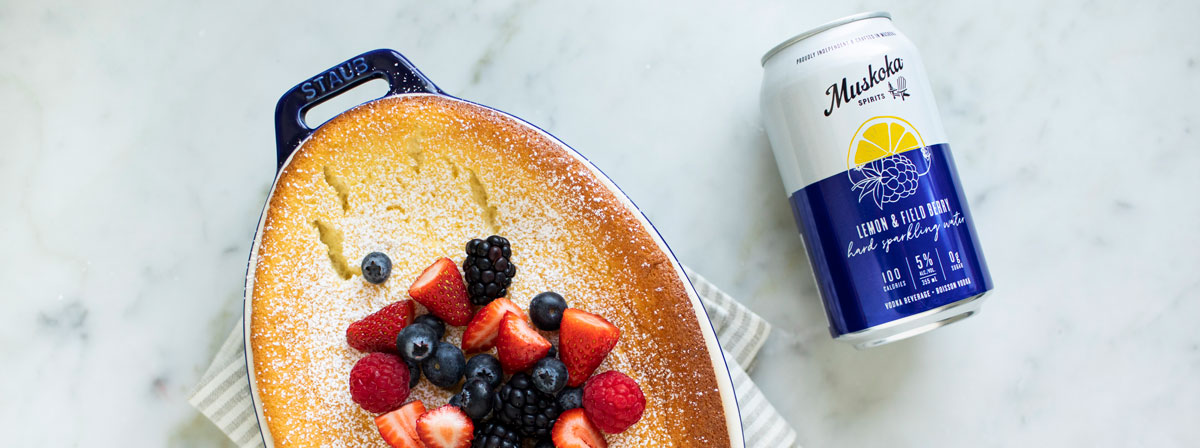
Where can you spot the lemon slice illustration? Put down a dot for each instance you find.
(880, 137)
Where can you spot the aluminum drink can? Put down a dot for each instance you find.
(851, 118)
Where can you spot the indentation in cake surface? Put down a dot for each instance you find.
(332, 238)
(412, 147)
(339, 185)
(480, 195)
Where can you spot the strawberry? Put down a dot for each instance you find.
(399, 427)
(518, 345)
(481, 333)
(441, 289)
(574, 430)
(377, 332)
(445, 427)
(584, 339)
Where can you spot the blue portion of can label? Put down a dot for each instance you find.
(891, 238)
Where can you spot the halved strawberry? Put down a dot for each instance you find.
(445, 427)
(399, 427)
(441, 289)
(574, 430)
(377, 332)
(518, 345)
(481, 333)
(584, 339)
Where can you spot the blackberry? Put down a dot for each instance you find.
(488, 268)
(518, 405)
(886, 180)
(495, 435)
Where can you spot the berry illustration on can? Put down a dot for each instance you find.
(884, 221)
(878, 167)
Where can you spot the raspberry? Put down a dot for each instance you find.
(898, 177)
(379, 382)
(886, 180)
(613, 401)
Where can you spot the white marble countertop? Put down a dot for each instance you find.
(138, 147)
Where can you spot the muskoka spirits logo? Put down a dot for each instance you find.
(846, 91)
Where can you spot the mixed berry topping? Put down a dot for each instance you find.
(550, 398)
(488, 269)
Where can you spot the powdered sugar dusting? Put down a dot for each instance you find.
(405, 178)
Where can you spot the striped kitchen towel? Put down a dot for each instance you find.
(223, 394)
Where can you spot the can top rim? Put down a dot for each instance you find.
(825, 27)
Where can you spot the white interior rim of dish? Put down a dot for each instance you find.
(724, 378)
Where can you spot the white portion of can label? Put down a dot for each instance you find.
(832, 107)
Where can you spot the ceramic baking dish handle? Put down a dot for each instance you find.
(401, 76)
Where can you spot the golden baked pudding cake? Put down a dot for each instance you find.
(417, 177)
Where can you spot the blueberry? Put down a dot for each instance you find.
(456, 401)
(487, 368)
(546, 310)
(416, 342)
(433, 322)
(549, 375)
(414, 373)
(376, 267)
(570, 398)
(544, 444)
(476, 397)
(445, 367)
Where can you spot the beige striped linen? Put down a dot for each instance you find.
(223, 392)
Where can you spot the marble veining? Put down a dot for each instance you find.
(138, 150)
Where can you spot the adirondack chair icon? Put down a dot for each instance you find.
(902, 90)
